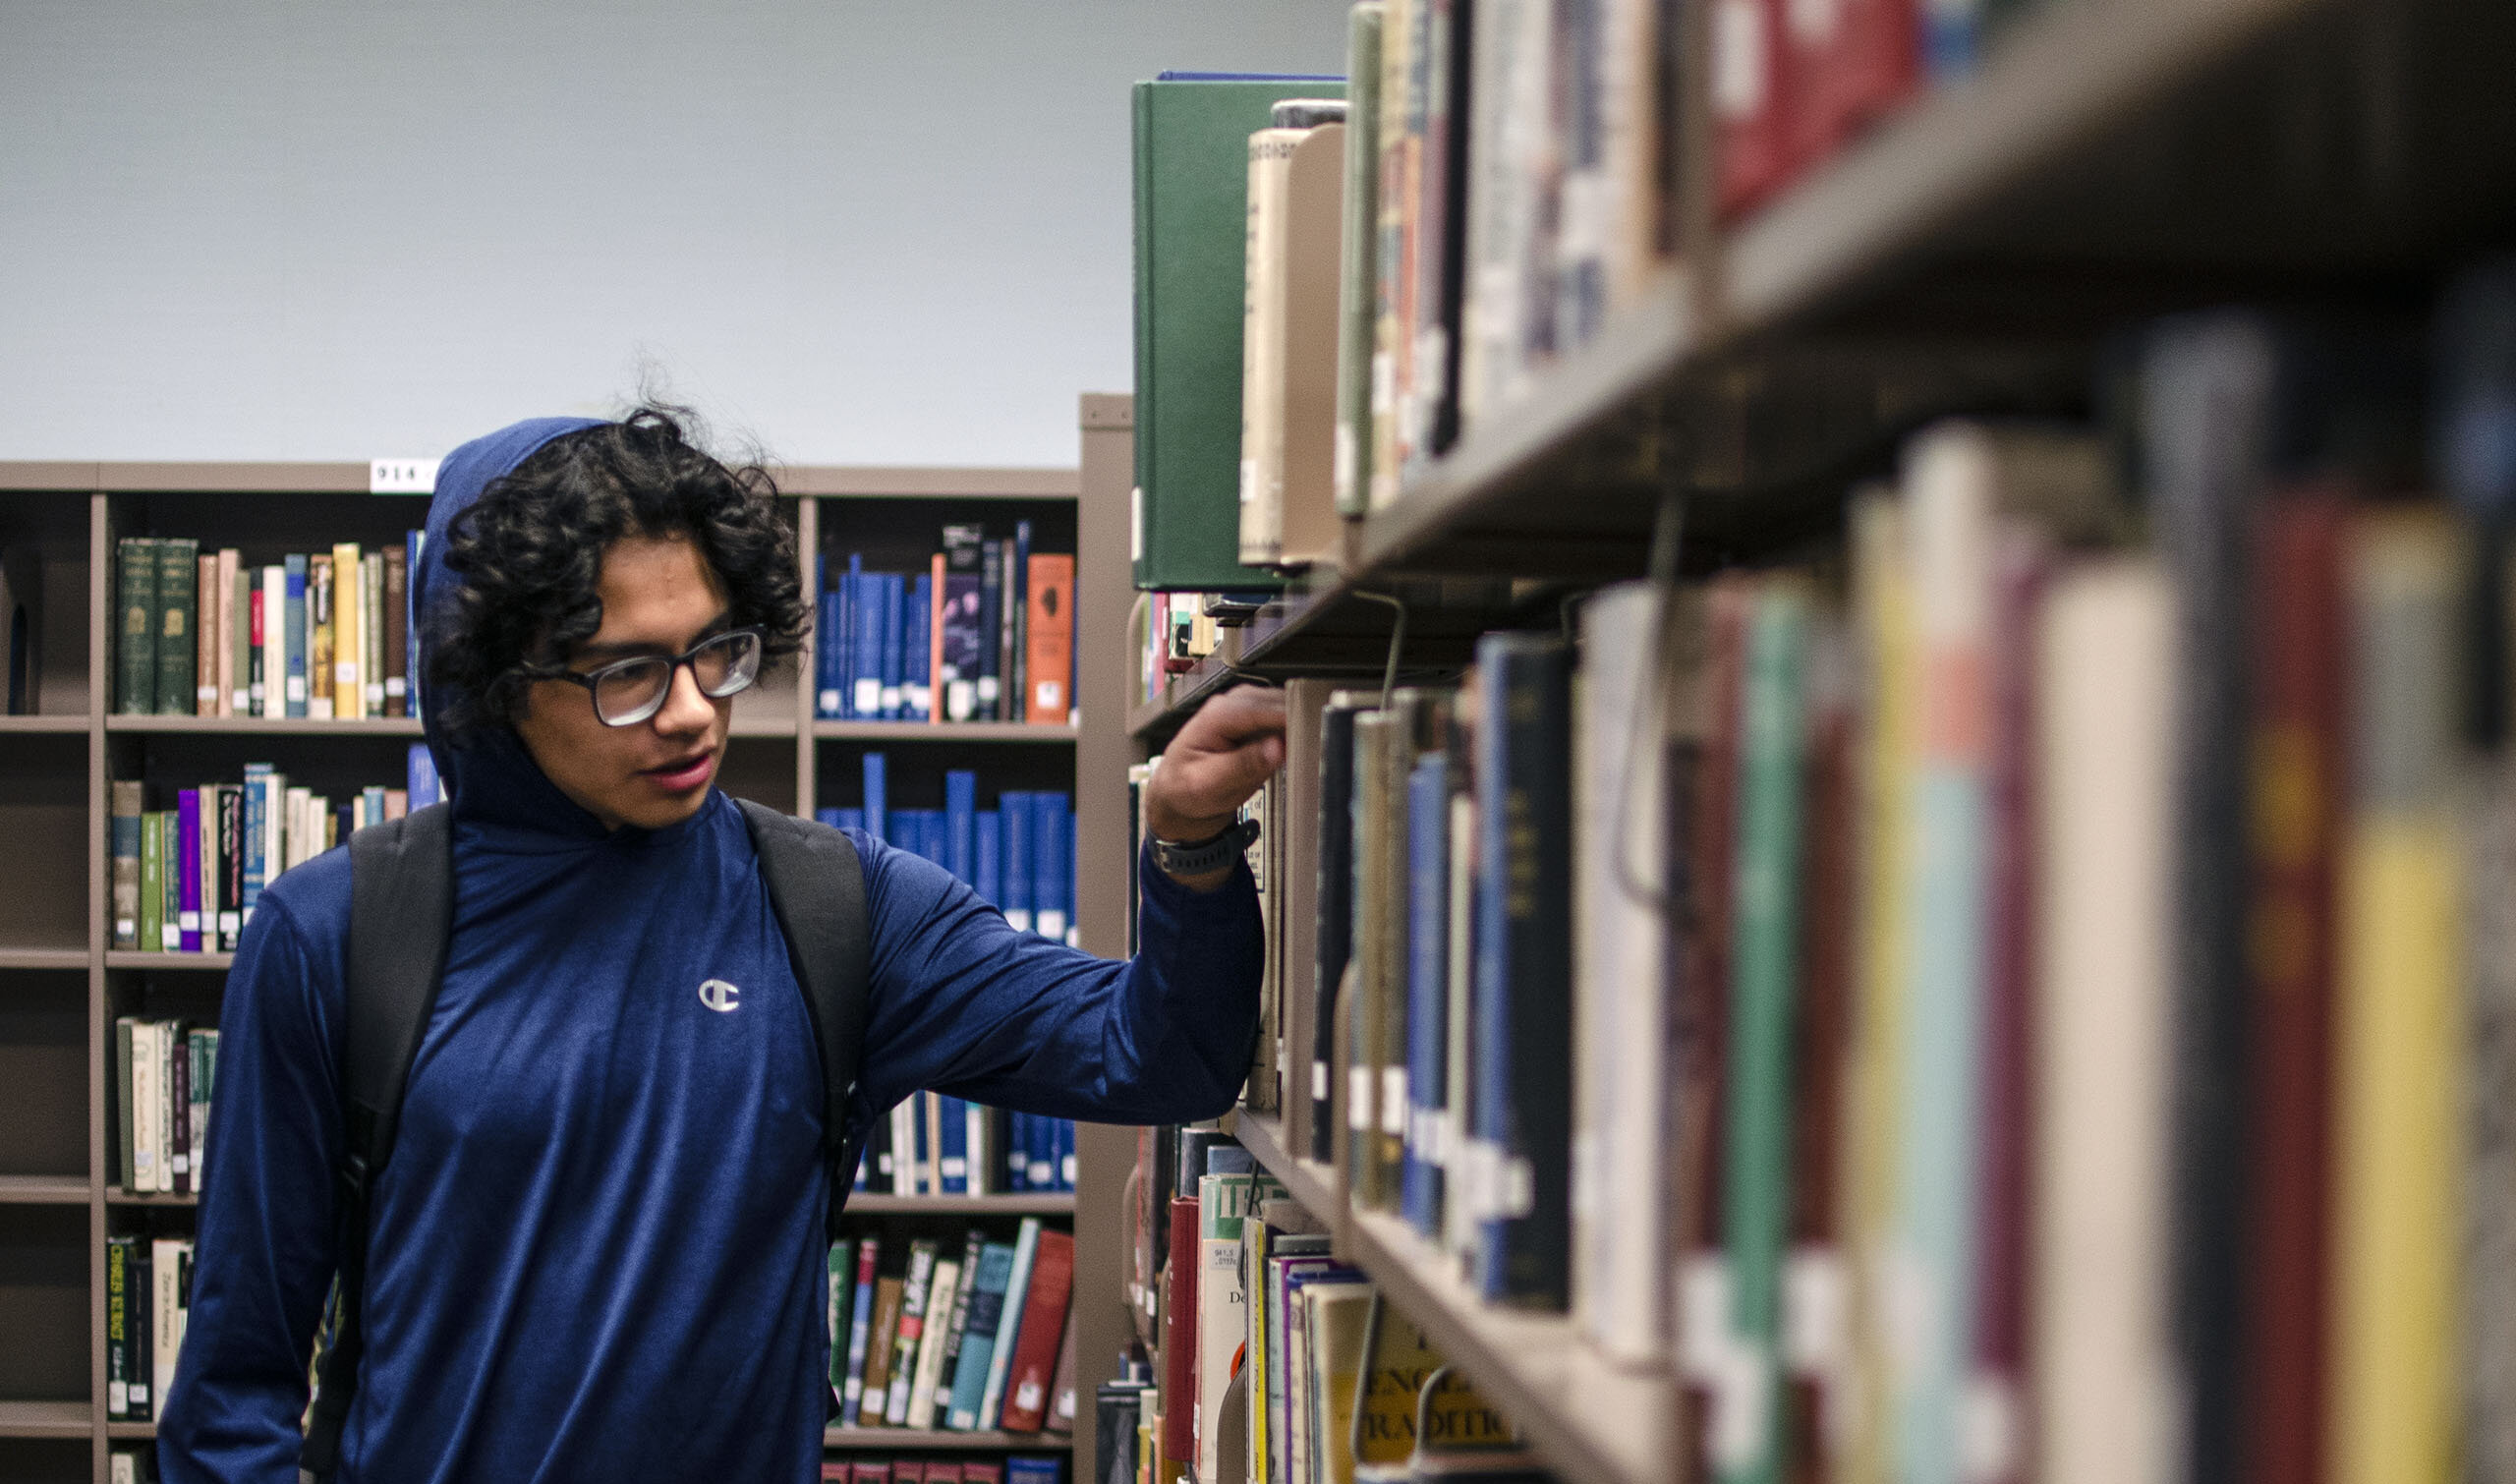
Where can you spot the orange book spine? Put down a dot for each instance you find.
(1049, 654)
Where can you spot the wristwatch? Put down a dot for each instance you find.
(1197, 857)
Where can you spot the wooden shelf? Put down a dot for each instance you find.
(1587, 1419)
(1022, 1203)
(43, 958)
(45, 1419)
(936, 1439)
(940, 731)
(115, 1195)
(43, 726)
(1312, 1185)
(267, 726)
(43, 1190)
(134, 958)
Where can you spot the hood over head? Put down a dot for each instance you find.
(492, 778)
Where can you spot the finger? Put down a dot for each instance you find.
(1216, 783)
(1245, 712)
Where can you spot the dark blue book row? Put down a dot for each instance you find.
(1018, 856)
(983, 634)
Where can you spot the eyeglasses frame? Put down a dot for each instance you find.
(593, 678)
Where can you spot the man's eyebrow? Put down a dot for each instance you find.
(622, 650)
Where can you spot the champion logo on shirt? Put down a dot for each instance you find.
(720, 996)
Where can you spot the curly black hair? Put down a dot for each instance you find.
(530, 553)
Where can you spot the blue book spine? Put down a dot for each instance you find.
(1017, 616)
(991, 624)
(1074, 912)
(293, 636)
(860, 1334)
(843, 646)
(952, 1165)
(1053, 866)
(1017, 1165)
(876, 812)
(258, 782)
(1065, 1154)
(922, 1164)
(978, 1344)
(917, 656)
(849, 819)
(1428, 936)
(1522, 1101)
(960, 824)
(865, 640)
(893, 600)
(1041, 1151)
(828, 816)
(1019, 818)
(419, 777)
(986, 856)
(830, 700)
(930, 834)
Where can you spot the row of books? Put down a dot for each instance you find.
(187, 879)
(1018, 856)
(2041, 970)
(323, 635)
(985, 634)
(148, 1294)
(1017, 1469)
(938, 1145)
(971, 1340)
(1415, 244)
(165, 1072)
(1278, 1363)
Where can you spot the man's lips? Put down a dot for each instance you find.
(685, 773)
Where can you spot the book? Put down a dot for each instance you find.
(2392, 1405)
(1751, 104)
(1523, 1041)
(1439, 73)
(121, 1310)
(1335, 836)
(2101, 1352)
(291, 672)
(1178, 1347)
(206, 634)
(978, 1347)
(1288, 380)
(922, 1255)
(1008, 1328)
(125, 832)
(1336, 1319)
(1048, 638)
(319, 636)
(1191, 234)
(177, 603)
(1401, 144)
(1358, 260)
(880, 1348)
(860, 1327)
(135, 643)
(394, 650)
(943, 1291)
(1042, 1334)
(349, 634)
(957, 1329)
(170, 1307)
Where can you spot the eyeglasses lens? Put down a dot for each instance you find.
(629, 693)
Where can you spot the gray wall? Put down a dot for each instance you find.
(861, 233)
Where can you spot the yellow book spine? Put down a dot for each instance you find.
(1890, 754)
(349, 641)
(2397, 1138)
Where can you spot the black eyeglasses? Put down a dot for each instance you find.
(627, 692)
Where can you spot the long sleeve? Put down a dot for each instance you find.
(966, 1004)
(264, 1255)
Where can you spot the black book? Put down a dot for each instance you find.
(1335, 899)
(1118, 1410)
(991, 588)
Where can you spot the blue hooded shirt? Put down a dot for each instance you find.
(598, 1250)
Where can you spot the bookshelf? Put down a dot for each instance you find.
(61, 986)
(2106, 163)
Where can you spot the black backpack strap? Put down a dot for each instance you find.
(816, 887)
(401, 914)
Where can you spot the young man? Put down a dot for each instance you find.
(596, 1251)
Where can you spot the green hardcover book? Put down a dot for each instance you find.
(840, 1296)
(152, 880)
(170, 880)
(136, 641)
(1358, 293)
(1764, 971)
(1191, 245)
(178, 582)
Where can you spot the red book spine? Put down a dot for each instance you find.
(1821, 1039)
(1043, 1316)
(872, 1473)
(1999, 1343)
(1852, 73)
(2296, 783)
(1750, 104)
(1179, 1337)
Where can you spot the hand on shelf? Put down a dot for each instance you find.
(1220, 757)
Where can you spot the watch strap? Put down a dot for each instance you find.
(1197, 857)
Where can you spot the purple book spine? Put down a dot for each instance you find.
(188, 852)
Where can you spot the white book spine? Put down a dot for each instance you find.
(144, 1062)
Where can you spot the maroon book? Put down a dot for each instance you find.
(2001, 1172)
(870, 1473)
(1179, 1337)
(1702, 998)
(943, 1473)
(1822, 1033)
(2296, 764)
(982, 1473)
(1035, 1353)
